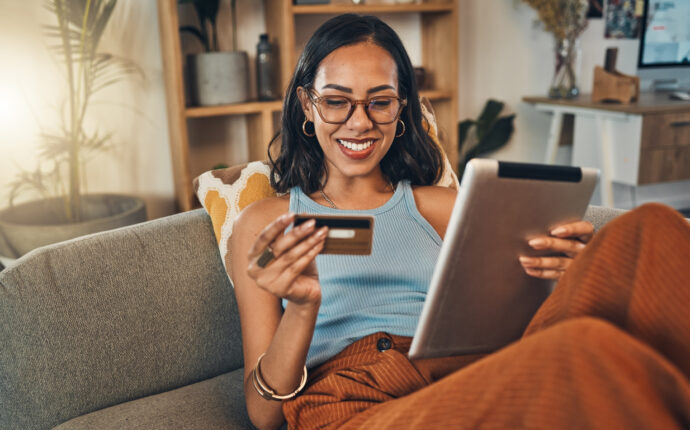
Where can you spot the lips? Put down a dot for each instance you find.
(357, 149)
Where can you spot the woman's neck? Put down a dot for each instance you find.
(354, 193)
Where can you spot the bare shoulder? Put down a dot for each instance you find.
(259, 214)
(435, 204)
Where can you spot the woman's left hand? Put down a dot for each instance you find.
(568, 240)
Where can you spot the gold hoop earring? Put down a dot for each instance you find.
(403, 128)
(304, 128)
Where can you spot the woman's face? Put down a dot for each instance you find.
(358, 72)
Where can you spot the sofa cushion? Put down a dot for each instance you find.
(216, 403)
(224, 193)
(100, 320)
(599, 215)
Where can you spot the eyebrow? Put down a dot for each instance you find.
(349, 90)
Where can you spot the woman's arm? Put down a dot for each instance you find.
(283, 336)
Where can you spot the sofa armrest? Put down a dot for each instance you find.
(600, 215)
(112, 317)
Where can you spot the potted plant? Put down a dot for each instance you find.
(487, 133)
(64, 212)
(216, 77)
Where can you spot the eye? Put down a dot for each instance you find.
(381, 103)
(335, 102)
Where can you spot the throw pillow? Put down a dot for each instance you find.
(224, 193)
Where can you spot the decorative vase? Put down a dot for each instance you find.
(219, 78)
(564, 82)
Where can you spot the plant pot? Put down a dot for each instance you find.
(30, 225)
(218, 78)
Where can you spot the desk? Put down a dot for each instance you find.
(640, 143)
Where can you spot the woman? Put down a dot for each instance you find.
(352, 141)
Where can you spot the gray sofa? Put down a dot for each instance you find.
(135, 328)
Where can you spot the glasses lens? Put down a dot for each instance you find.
(335, 108)
(383, 109)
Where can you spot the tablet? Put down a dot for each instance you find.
(480, 298)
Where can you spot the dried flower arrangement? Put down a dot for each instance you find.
(566, 20)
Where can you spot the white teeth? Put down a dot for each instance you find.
(355, 146)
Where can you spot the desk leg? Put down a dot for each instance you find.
(605, 185)
(554, 137)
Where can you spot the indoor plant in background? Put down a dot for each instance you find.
(64, 211)
(216, 77)
(487, 133)
(565, 20)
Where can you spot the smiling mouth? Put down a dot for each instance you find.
(355, 146)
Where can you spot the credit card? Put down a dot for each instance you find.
(347, 234)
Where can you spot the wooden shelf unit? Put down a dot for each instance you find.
(439, 57)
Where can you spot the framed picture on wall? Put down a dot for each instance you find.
(623, 19)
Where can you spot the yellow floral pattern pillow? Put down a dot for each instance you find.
(224, 193)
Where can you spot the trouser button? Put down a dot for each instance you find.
(383, 344)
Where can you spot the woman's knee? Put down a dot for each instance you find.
(654, 214)
(585, 330)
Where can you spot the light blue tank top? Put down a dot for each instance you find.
(384, 291)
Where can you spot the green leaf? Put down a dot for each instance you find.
(207, 9)
(463, 129)
(491, 110)
(495, 138)
(207, 12)
(108, 69)
(492, 133)
(195, 31)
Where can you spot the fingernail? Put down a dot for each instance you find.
(536, 242)
(285, 217)
(322, 232)
(525, 259)
(558, 230)
(308, 225)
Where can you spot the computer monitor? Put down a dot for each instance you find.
(664, 54)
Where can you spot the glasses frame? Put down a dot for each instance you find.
(316, 101)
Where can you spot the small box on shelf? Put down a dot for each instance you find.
(614, 86)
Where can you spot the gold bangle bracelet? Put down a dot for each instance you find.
(267, 392)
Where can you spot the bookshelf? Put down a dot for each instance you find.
(439, 48)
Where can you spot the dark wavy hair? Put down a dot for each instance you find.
(300, 161)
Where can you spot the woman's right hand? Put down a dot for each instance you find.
(292, 273)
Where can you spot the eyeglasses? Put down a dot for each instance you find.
(339, 109)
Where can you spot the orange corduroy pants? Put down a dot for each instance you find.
(609, 349)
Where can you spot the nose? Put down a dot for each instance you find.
(360, 119)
